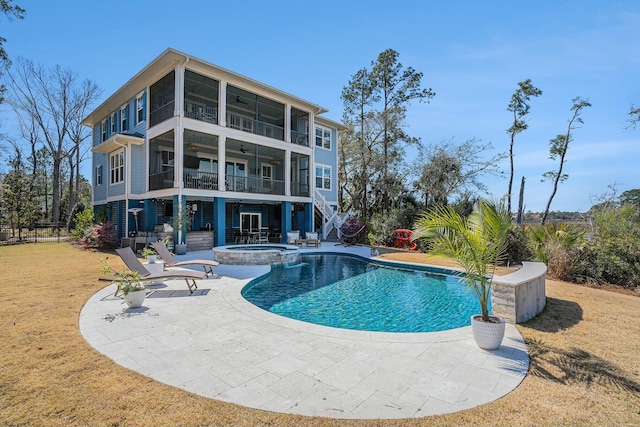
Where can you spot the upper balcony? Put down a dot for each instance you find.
(245, 111)
(248, 167)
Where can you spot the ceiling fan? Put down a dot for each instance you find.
(239, 101)
(190, 146)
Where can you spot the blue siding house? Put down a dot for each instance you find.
(233, 154)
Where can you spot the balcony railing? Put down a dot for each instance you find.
(200, 180)
(300, 138)
(299, 189)
(197, 111)
(245, 184)
(245, 124)
(161, 180)
(161, 113)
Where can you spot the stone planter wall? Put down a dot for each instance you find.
(519, 296)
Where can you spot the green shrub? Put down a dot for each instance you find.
(613, 253)
(101, 236)
(560, 246)
(381, 225)
(81, 223)
(517, 247)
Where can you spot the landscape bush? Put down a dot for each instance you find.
(381, 225)
(612, 254)
(517, 247)
(101, 236)
(81, 223)
(560, 246)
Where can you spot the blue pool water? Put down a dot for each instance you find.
(354, 293)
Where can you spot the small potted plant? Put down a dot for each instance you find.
(150, 254)
(129, 282)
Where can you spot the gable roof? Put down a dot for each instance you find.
(167, 61)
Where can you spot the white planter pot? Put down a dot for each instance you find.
(135, 299)
(487, 335)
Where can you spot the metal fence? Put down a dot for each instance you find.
(35, 233)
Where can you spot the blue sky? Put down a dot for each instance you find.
(472, 55)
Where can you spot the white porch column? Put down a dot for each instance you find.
(287, 122)
(287, 172)
(222, 103)
(222, 159)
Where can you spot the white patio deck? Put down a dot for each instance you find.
(216, 344)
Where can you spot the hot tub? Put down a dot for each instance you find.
(257, 254)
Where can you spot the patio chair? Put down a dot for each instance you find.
(263, 237)
(293, 237)
(312, 239)
(171, 261)
(133, 263)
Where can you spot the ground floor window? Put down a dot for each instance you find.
(250, 221)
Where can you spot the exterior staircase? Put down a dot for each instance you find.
(326, 218)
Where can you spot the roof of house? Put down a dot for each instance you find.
(167, 61)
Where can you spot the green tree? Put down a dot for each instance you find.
(631, 197)
(11, 11)
(397, 86)
(478, 243)
(558, 148)
(19, 204)
(519, 106)
(448, 169)
(56, 101)
(356, 145)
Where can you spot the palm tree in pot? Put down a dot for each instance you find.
(478, 243)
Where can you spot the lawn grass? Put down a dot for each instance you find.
(585, 353)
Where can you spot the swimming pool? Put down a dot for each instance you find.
(351, 292)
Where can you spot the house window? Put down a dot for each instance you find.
(323, 177)
(140, 107)
(323, 138)
(98, 175)
(250, 221)
(124, 118)
(103, 128)
(117, 167)
(114, 123)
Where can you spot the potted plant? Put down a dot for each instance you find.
(150, 254)
(478, 243)
(129, 282)
(181, 223)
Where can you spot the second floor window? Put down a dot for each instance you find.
(114, 123)
(103, 128)
(140, 107)
(124, 118)
(323, 138)
(98, 175)
(117, 167)
(323, 177)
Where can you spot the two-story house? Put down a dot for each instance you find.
(234, 154)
